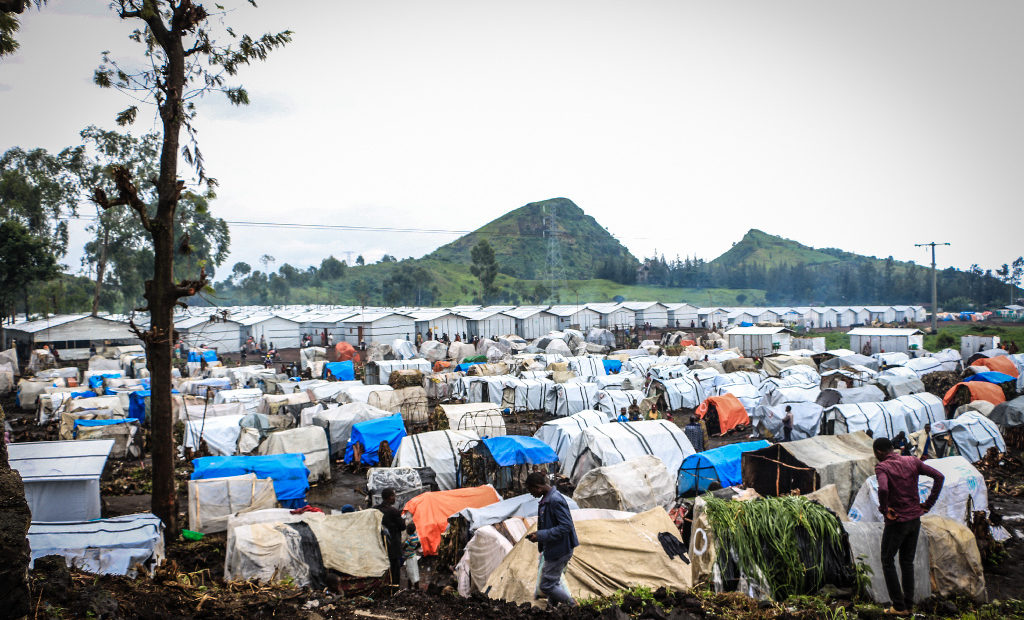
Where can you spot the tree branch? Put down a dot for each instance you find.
(128, 195)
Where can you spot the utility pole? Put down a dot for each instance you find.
(935, 286)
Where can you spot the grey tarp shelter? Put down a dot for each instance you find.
(62, 478)
(1009, 413)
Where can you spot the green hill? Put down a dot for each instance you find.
(520, 243)
(764, 250)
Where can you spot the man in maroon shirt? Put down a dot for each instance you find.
(899, 503)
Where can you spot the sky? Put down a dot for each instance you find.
(864, 125)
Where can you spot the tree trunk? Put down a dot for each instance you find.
(24, 296)
(101, 267)
(15, 518)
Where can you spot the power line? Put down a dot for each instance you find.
(935, 285)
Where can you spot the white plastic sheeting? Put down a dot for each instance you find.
(590, 368)
(806, 420)
(212, 500)
(526, 394)
(963, 490)
(611, 402)
(220, 434)
(684, 392)
(746, 393)
(616, 442)
(561, 434)
(251, 398)
(865, 544)
(924, 365)
(636, 485)
(308, 440)
(568, 398)
(104, 546)
(438, 450)
(973, 434)
(379, 373)
(337, 421)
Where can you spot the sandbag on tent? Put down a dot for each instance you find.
(430, 511)
(614, 554)
(484, 419)
(720, 466)
(723, 413)
(113, 546)
(568, 398)
(775, 364)
(863, 394)
(635, 485)
(865, 545)
(310, 441)
(1001, 364)
(220, 434)
(615, 442)
(611, 402)
(288, 471)
(767, 420)
(338, 422)
(561, 434)
(963, 491)
(367, 436)
(682, 393)
(526, 394)
(411, 402)
(973, 434)
(1008, 414)
(954, 559)
(438, 450)
(895, 386)
(809, 464)
(505, 462)
(212, 500)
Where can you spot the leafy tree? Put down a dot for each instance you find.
(360, 260)
(332, 268)
(484, 267)
(185, 56)
(24, 259)
(239, 271)
(741, 298)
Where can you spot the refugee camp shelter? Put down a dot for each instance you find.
(561, 434)
(532, 322)
(504, 462)
(970, 344)
(614, 316)
(439, 322)
(72, 334)
(680, 314)
(62, 478)
(377, 327)
(438, 450)
(722, 413)
(719, 466)
(212, 332)
(615, 442)
(648, 313)
(489, 322)
(575, 316)
(886, 339)
(112, 546)
(283, 332)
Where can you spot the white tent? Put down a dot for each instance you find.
(379, 373)
(611, 402)
(251, 398)
(636, 485)
(488, 389)
(882, 419)
(615, 442)
(590, 368)
(526, 394)
(220, 434)
(767, 419)
(746, 393)
(771, 384)
(438, 450)
(62, 478)
(561, 434)
(924, 365)
(308, 440)
(684, 392)
(103, 546)
(921, 409)
(963, 491)
(360, 393)
(569, 398)
(337, 421)
(973, 434)
(212, 500)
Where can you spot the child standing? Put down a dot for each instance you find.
(411, 552)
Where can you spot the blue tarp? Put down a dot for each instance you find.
(288, 471)
(100, 423)
(721, 465)
(746, 324)
(463, 367)
(137, 405)
(96, 381)
(83, 394)
(990, 377)
(371, 433)
(519, 450)
(209, 355)
(612, 365)
(342, 371)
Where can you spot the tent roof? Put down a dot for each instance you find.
(31, 327)
(519, 449)
(884, 331)
(40, 461)
(757, 331)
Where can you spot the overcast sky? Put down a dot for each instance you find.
(863, 125)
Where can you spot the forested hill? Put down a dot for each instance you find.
(520, 242)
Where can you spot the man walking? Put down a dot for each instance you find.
(787, 424)
(695, 434)
(555, 535)
(395, 525)
(899, 503)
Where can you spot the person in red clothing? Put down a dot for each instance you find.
(900, 505)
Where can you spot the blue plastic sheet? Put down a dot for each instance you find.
(990, 377)
(519, 450)
(342, 371)
(611, 366)
(371, 433)
(96, 381)
(721, 465)
(288, 471)
(83, 394)
(463, 367)
(208, 354)
(99, 423)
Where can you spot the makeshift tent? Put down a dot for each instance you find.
(251, 398)
(213, 500)
(124, 432)
(792, 394)
(330, 390)
(973, 434)
(809, 464)
(378, 373)
(983, 407)
(526, 394)
(360, 393)
(865, 545)
(66, 428)
(310, 441)
(504, 462)
(430, 511)
(274, 404)
(489, 389)
(1005, 415)
(863, 394)
(1001, 364)
(882, 419)
(561, 434)
(899, 386)
(636, 485)
(767, 420)
(954, 559)
(723, 413)
(847, 361)
(963, 393)
(590, 368)
(921, 409)
(682, 393)
(484, 419)
(61, 478)
(963, 491)
(924, 365)
(611, 402)
(521, 506)
(220, 434)
(112, 546)
(289, 472)
(438, 450)
(367, 436)
(407, 482)
(411, 402)
(338, 422)
(188, 413)
(991, 377)
(719, 465)
(615, 442)
(747, 394)
(613, 555)
(569, 398)
(775, 364)
(772, 384)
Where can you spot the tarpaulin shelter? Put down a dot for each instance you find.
(378, 373)
(367, 436)
(1001, 364)
(846, 361)
(561, 434)
(488, 389)
(963, 491)
(973, 434)
(924, 365)
(430, 511)
(484, 419)
(680, 393)
(1010, 413)
(340, 371)
(963, 393)
(411, 402)
(526, 394)
(288, 471)
(747, 394)
(124, 432)
(719, 465)
(339, 419)
(611, 402)
(722, 413)
(568, 398)
(863, 394)
(61, 478)
(112, 546)
(438, 450)
(504, 462)
(615, 442)
(212, 500)
(635, 485)
(613, 555)
(899, 386)
(991, 377)
(809, 464)
(344, 351)
(767, 420)
(773, 365)
(310, 441)
(865, 545)
(220, 434)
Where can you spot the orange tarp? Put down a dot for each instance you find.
(731, 412)
(980, 390)
(687, 343)
(1001, 364)
(430, 511)
(345, 351)
(441, 365)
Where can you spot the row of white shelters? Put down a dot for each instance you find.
(532, 322)
(759, 341)
(580, 317)
(72, 334)
(871, 340)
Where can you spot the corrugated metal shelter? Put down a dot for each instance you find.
(887, 339)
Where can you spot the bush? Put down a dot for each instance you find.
(946, 340)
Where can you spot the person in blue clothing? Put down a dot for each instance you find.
(622, 415)
(555, 536)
